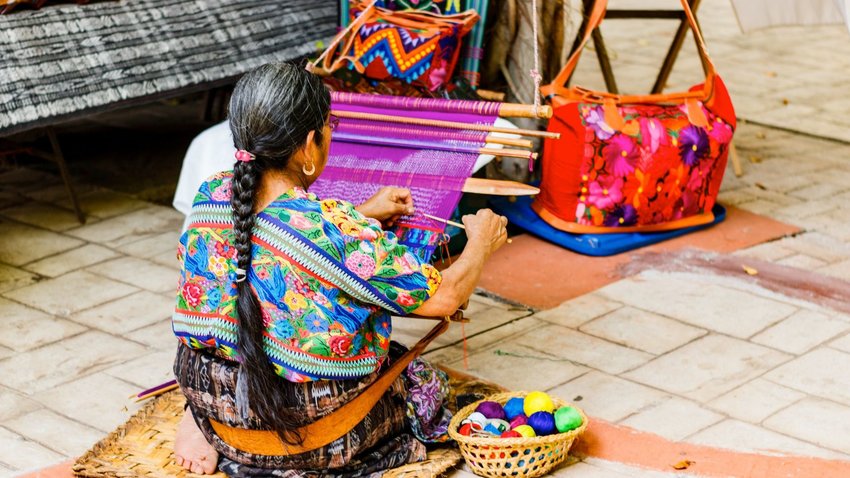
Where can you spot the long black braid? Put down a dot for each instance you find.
(272, 110)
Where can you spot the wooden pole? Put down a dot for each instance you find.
(519, 143)
(497, 187)
(516, 110)
(443, 124)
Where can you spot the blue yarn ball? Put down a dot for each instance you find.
(543, 423)
(514, 407)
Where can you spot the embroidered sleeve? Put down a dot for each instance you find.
(375, 256)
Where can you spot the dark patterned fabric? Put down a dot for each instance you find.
(383, 440)
(66, 61)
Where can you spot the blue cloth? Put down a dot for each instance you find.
(519, 213)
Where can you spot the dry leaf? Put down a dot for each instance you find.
(683, 465)
(761, 135)
(761, 186)
(749, 270)
(755, 159)
(771, 74)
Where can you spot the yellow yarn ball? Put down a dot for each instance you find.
(525, 431)
(537, 402)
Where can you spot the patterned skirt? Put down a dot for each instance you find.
(409, 414)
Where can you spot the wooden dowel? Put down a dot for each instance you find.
(456, 317)
(157, 393)
(444, 221)
(497, 187)
(509, 153)
(490, 95)
(516, 110)
(451, 223)
(443, 124)
(517, 142)
(431, 145)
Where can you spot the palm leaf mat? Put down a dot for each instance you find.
(142, 447)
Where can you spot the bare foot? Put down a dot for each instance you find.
(191, 450)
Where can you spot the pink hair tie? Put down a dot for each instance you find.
(244, 156)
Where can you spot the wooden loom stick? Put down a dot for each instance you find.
(157, 391)
(508, 153)
(516, 110)
(343, 137)
(498, 187)
(443, 124)
(519, 143)
(451, 223)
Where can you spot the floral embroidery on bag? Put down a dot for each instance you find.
(657, 168)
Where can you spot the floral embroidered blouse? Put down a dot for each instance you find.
(327, 279)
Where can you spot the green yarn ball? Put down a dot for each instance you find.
(566, 419)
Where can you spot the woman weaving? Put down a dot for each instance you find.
(284, 305)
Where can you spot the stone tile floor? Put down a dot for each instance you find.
(702, 359)
(697, 358)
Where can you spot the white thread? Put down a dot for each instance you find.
(535, 73)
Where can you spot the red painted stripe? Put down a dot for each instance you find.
(632, 447)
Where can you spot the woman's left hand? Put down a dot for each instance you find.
(388, 205)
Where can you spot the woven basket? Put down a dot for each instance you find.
(513, 457)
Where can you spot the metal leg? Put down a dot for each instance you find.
(673, 52)
(59, 158)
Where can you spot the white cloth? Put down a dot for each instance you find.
(213, 151)
(755, 14)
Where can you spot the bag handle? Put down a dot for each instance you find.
(558, 85)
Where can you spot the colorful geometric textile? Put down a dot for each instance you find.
(473, 51)
(326, 277)
(432, 162)
(413, 46)
(382, 440)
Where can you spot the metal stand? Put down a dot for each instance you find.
(55, 156)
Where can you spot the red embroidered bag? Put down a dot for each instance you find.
(634, 163)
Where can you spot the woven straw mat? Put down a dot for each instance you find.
(143, 447)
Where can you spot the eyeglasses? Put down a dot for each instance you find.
(333, 122)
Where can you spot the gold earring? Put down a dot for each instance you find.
(309, 172)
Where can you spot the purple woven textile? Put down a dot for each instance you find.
(432, 162)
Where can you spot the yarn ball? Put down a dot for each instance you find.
(492, 430)
(514, 407)
(511, 434)
(567, 418)
(525, 431)
(518, 420)
(477, 417)
(501, 425)
(537, 402)
(491, 410)
(465, 429)
(543, 423)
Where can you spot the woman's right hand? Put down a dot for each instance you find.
(487, 229)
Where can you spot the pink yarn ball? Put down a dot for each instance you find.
(518, 420)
